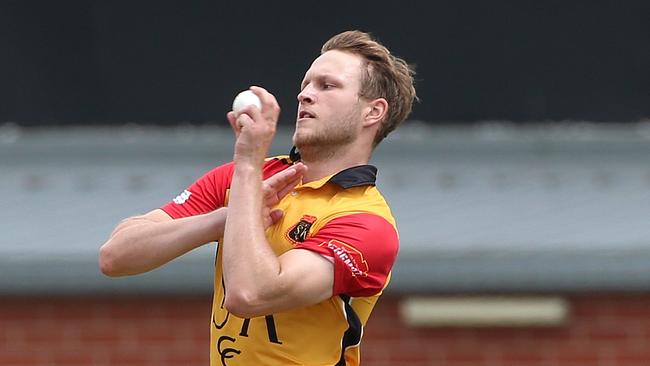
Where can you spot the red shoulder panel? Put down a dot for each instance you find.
(208, 193)
(363, 248)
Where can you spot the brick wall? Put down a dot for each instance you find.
(126, 331)
(603, 330)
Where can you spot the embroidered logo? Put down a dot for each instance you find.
(181, 198)
(298, 233)
(350, 256)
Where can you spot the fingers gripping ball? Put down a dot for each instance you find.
(245, 99)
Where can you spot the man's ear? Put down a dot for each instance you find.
(376, 111)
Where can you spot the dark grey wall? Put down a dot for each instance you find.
(92, 61)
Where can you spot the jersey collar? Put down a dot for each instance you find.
(362, 175)
(356, 176)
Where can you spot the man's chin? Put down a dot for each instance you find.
(301, 140)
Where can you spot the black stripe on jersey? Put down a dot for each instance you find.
(352, 335)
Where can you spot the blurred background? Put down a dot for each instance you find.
(521, 182)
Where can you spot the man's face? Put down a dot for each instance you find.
(329, 108)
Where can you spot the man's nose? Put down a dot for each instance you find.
(306, 96)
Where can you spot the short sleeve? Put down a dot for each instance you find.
(206, 194)
(209, 192)
(363, 248)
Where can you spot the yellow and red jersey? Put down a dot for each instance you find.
(342, 217)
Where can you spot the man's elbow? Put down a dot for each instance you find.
(107, 263)
(243, 304)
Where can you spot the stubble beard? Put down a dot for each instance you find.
(324, 141)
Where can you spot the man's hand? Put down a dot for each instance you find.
(275, 188)
(254, 129)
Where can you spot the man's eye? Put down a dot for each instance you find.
(328, 86)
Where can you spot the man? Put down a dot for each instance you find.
(309, 242)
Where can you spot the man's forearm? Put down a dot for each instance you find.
(140, 245)
(250, 266)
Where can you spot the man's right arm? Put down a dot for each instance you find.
(142, 243)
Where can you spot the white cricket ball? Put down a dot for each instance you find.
(244, 99)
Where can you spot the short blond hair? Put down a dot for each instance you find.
(385, 76)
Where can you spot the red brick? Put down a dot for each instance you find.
(398, 357)
(378, 333)
(122, 358)
(156, 334)
(72, 359)
(440, 334)
(20, 358)
(40, 335)
(103, 335)
(129, 311)
(372, 355)
(611, 333)
(584, 354)
(465, 355)
(633, 356)
(189, 359)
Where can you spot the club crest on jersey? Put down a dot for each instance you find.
(298, 233)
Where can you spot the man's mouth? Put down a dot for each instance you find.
(305, 114)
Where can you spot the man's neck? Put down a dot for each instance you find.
(321, 164)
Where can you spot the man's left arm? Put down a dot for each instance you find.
(257, 281)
